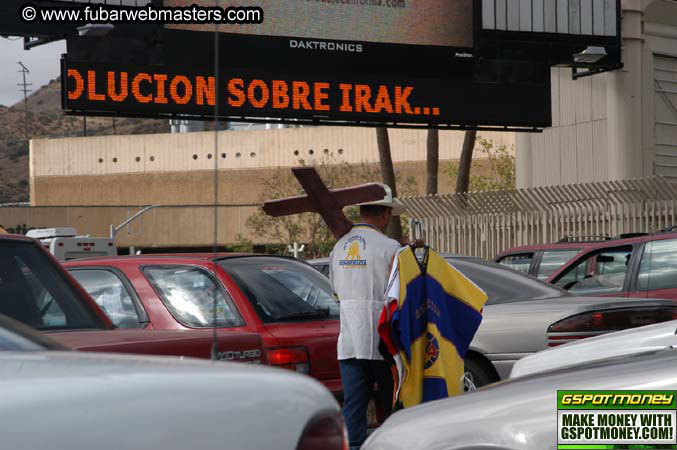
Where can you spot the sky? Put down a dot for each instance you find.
(43, 63)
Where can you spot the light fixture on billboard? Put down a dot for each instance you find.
(95, 29)
(590, 55)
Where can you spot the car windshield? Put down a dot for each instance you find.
(283, 289)
(34, 292)
(502, 284)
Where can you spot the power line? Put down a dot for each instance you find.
(24, 88)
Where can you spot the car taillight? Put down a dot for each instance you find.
(292, 358)
(595, 323)
(324, 432)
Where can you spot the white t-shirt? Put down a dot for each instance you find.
(359, 266)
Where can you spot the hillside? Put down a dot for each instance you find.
(45, 120)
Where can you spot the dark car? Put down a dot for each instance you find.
(36, 290)
(643, 266)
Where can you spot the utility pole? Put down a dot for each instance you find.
(24, 88)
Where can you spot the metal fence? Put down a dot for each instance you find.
(484, 224)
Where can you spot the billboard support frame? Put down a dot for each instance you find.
(311, 122)
(576, 73)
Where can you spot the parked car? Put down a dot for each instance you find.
(37, 291)
(519, 414)
(283, 300)
(543, 260)
(643, 267)
(524, 315)
(613, 345)
(75, 400)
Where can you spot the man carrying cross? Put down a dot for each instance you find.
(359, 267)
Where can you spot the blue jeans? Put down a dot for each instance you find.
(359, 377)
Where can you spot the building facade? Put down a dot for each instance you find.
(616, 125)
(92, 182)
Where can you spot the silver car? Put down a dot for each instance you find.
(520, 414)
(525, 315)
(621, 343)
(72, 400)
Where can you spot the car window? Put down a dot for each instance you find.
(520, 262)
(323, 268)
(552, 260)
(111, 295)
(193, 297)
(34, 292)
(283, 289)
(658, 269)
(502, 284)
(10, 341)
(601, 272)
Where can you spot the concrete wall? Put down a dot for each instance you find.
(176, 226)
(188, 152)
(604, 126)
(177, 169)
(91, 203)
(235, 187)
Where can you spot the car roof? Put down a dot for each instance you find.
(186, 258)
(631, 238)
(15, 237)
(551, 246)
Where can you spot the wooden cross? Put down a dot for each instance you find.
(328, 203)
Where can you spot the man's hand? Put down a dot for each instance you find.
(418, 243)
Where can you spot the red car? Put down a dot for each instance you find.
(36, 290)
(287, 302)
(543, 260)
(641, 266)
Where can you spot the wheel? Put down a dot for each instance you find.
(476, 374)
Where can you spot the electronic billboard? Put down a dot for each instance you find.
(245, 94)
(460, 63)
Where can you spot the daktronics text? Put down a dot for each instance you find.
(329, 46)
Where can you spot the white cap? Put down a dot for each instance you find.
(387, 201)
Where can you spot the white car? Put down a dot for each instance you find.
(620, 343)
(83, 401)
(519, 414)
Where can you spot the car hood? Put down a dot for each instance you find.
(106, 401)
(626, 342)
(521, 326)
(516, 414)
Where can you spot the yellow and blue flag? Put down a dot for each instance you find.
(437, 313)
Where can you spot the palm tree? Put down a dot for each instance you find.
(388, 173)
(432, 161)
(463, 179)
